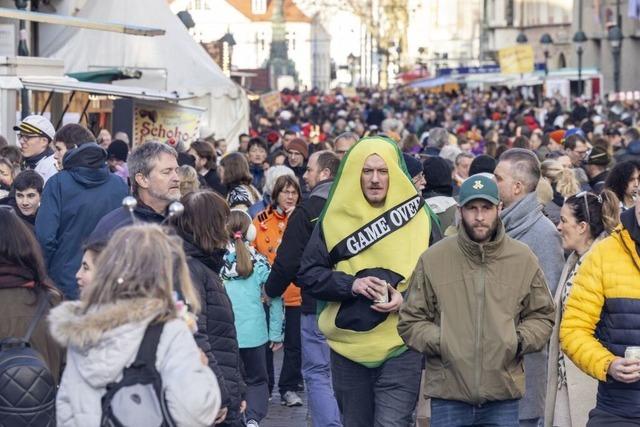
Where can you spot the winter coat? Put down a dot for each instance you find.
(121, 217)
(46, 166)
(102, 342)
(73, 202)
(246, 298)
(525, 222)
(474, 310)
(296, 236)
(580, 387)
(632, 152)
(216, 334)
(602, 317)
(213, 182)
(270, 226)
(17, 308)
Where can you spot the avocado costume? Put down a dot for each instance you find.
(363, 240)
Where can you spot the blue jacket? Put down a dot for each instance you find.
(73, 201)
(246, 299)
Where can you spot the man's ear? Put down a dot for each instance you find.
(142, 181)
(500, 206)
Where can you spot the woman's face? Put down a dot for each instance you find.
(574, 235)
(84, 276)
(288, 198)
(632, 185)
(6, 175)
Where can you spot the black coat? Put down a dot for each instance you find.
(216, 334)
(121, 217)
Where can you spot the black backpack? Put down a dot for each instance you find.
(27, 388)
(138, 399)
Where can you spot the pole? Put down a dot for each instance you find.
(546, 63)
(579, 70)
(616, 69)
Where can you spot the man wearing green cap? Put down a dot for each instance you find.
(478, 302)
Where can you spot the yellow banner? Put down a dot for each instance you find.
(167, 123)
(516, 59)
(271, 102)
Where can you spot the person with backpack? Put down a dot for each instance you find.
(27, 350)
(244, 273)
(131, 355)
(202, 228)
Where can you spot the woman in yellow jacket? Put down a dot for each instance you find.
(270, 225)
(602, 320)
(585, 219)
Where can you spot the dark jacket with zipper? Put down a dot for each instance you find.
(216, 334)
(475, 310)
(73, 201)
(121, 217)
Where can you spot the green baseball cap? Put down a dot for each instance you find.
(478, 186)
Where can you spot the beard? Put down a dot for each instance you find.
(481, 235)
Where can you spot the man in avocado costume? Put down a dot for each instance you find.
(372, 231)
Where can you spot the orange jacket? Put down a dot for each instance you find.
(270, 226)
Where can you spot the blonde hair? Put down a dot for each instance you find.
(564, 179)
(142, 261)
(237, 226)
(188, 179)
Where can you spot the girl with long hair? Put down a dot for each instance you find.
(244, 274)
(624, 180)
(134, 286)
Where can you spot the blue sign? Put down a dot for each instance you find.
(483, 69)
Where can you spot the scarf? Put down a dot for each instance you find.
(32, 162)
(363, 240)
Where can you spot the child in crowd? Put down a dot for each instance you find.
(244, 273)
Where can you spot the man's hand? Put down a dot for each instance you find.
(369, 287)
(624, 370)
(395, 301)
(243, 406)
(222, 415)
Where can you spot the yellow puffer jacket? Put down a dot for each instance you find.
(602, 317)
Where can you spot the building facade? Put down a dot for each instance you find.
(249, 21)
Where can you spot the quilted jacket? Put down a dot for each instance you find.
(602, 318)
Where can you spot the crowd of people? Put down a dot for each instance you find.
(474, 248)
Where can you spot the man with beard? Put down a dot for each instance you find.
(155, 183)
(478, 303)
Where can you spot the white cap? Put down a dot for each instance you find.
(36, 124)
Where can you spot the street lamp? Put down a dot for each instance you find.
(351, 62)
(522, 38)
(546, 41)
(580, 38)
(615, 39)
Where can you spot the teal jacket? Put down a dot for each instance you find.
(246, 298)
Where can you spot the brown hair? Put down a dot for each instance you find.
(206, 151)
(142, 261)
(204, 219)
(236, 170)
(283, 182)
(604, 211)
(237, 226)
(188, 179)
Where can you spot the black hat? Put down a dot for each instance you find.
(598, 156)
(118, 150)
(482, 164)
(414, 167)
(437, 172)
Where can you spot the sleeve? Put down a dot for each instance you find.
(276, 320)
(316, 274)
(191, 389)
(417, 318)
(203, 340)
(581, 315)
(537, 316)
(48, 220)
(287, 262)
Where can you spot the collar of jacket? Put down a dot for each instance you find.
(322, 189)
(519, 217)
(147, 214)
(214, 260)
(32, 162)
(481, 253)
(70, 325)
(14, 276)
(629, 233)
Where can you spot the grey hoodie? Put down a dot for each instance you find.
(525, 222)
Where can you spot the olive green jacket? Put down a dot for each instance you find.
(475, 310)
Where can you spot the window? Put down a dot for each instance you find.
(508, 13)
(199, 5)
(258, 7)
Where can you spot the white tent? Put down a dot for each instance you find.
(184, 65)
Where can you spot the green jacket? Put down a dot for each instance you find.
(474, 310)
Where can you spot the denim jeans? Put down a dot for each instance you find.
(385, 396)
(451, 413)
(316, 371)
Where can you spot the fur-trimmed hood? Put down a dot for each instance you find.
(104, 340)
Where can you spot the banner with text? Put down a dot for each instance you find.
(516, 59)
(164, 122)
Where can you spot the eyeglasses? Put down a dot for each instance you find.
(290, 193)
(26, 137)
